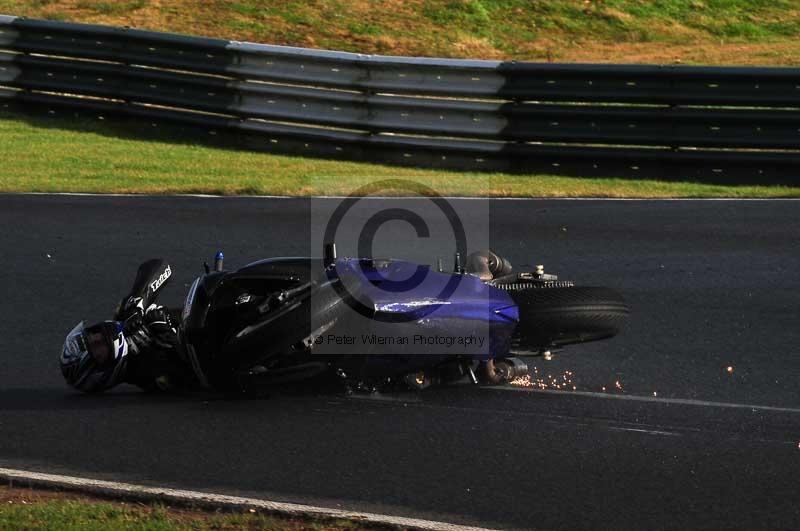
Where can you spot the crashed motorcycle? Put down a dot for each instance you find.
(284, 320)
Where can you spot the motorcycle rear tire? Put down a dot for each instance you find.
(553, 317)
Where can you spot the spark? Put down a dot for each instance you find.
(550, 382)
(523, 381)
(729, 369)
(604, 389)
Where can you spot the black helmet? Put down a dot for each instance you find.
(93, 358)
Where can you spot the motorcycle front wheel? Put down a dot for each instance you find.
(557, 316)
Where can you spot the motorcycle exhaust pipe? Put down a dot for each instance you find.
(511, 368)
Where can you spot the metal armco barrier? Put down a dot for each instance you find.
(479, 115)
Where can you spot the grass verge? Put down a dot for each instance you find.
(70, 155)
(691, 31)
(58, 511)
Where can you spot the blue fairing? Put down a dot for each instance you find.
(432, 303)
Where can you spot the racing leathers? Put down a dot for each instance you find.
(154, 360)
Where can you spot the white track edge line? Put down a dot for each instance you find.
(160, 493)
(639, 398)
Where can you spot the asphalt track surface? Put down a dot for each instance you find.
(711, 285)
